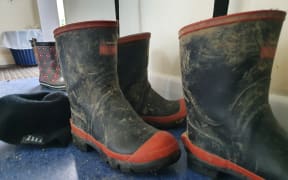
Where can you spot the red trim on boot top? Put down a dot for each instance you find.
(233, 18)
(171, 118)
(217, 161)
(160, 145)
(84, 25)
(134, 37)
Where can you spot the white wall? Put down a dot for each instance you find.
(16, 15)
(85, 10)
(130, 17)
(48, 17)
(164, 18)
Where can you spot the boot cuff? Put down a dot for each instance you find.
(134, 37)
(233, 18)
(84, 25)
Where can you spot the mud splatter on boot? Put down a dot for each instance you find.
(101, 116)
(226, 67)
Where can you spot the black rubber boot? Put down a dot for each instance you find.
(49, 68)
(226, 66)
(101, 116)
(36, 119)
(133, 52)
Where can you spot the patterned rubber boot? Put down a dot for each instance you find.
(49, 68)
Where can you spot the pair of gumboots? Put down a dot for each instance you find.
(226, 65)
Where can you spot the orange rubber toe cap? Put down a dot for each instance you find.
(162, 144)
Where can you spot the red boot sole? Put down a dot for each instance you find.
(139, 161)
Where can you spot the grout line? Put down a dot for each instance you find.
(18, 73)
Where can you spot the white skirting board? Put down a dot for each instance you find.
(170, 87)
(279, 104)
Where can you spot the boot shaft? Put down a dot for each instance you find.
(133, 52)
(228, 57)
(88, 51)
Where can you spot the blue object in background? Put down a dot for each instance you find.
(32, 163)
(24, 57)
